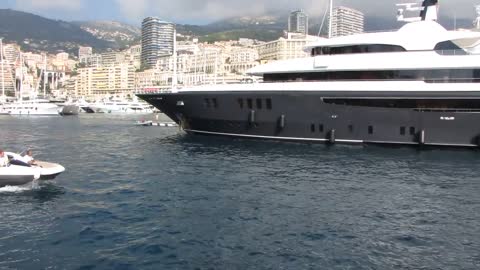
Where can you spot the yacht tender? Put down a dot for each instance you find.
(21, 173)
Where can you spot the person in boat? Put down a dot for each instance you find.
(3, 159)
(28, 158)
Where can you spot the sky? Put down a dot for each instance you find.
(206, 11)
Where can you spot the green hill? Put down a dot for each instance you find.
(35, 33)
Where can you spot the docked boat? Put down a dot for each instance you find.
(117, 106)
(144, 123)
(419, 85)
(37, 107)
(70, 109)
(66, 107)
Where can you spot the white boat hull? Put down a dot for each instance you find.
(18, 175)
(31, 109)
(119, 110)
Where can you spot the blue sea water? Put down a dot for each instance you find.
(155, 198)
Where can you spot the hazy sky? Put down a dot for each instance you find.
(204, 11)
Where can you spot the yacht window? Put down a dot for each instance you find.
(215, 104)
(433, 75)
(240, 103)
(259, 103)
(402, 131)
(412, 131)
(418, 104)
(350, 128)
(207, 103)
(365, 48)
(269, 103)
(312, 128)
(370, 130)
(449, 48)
(250, 103)
(320, 128)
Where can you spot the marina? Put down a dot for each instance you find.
(244, 142)
(171, 200)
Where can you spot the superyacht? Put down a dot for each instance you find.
(419, 85)
(119, 106)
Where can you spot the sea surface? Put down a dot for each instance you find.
(155, 198)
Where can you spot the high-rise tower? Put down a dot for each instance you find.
(157, 40)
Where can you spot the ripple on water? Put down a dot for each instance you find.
(152, 198)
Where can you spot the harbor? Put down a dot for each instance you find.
(290, 137)
(169, 200)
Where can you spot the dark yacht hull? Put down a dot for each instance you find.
(321, 116)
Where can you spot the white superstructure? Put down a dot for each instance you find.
(121, 107)
(31, 107)
(417, 45)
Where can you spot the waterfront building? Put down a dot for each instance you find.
(288, 47)
(11, 52)
(103, 81)
(298, 22)
(112, 58)
(92, 60)
(242, 59)
(157, 40)
(84, 51)
(246, 42)
(347, 21)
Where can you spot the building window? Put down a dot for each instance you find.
(403, 131)
(312, 128)
(259, 104)
(240, 103)
(370, 130)
(350, 128)
(207, 103)
(250, 103)
(412, 131)
(269, 104)
(320, 128)
(215, 103)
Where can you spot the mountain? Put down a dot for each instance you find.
(35, 33)
(112, 31)
(265, 28)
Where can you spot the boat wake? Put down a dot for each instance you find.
(19, 189)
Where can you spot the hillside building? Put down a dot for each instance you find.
(157, 40)
(298, 22)
(347, 21)
(288, 47)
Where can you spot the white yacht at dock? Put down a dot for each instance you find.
(119, 106)
(38, 107)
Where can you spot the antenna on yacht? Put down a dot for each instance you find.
(174, 76)
(428, 11)
(45, 75)
(330, 19)
(20, 88)
(3, 72)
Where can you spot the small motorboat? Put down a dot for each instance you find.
(47, 170)
(144, 123)
(15, 175)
